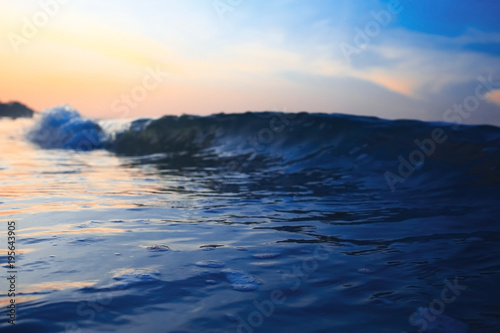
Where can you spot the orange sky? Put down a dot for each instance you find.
(99, 59)
(92, 65)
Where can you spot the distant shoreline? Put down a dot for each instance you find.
(15, 110)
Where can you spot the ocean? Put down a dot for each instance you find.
(254, 222)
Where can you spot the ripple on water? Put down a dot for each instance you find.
(266, 255)
(210, 247)
(365, 270)
(240, 280)
(156, 247)
(474, 239)
(89, 224)
(134, 276)
(210, 263)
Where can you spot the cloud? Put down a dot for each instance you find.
(494, 97)
(265, 55)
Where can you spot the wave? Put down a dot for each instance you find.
(63, 127)
(290, 142)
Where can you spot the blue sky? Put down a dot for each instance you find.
(417, 60)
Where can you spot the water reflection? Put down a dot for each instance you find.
(84, 216)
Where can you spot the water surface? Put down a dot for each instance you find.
(242, 223)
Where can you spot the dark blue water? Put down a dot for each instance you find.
(256, 222)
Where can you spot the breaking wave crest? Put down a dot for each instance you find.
(291, 143)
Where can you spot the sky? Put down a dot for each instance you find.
(433, 60)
